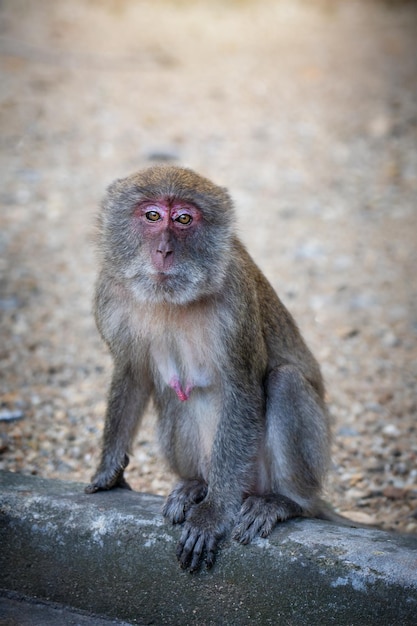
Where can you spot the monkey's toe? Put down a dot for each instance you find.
(185, 495)
(92, 488)
(259, 515)
(105, 482)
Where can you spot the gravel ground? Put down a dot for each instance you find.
(307, 112)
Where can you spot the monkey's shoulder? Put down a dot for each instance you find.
(265, 315)
(249, 291)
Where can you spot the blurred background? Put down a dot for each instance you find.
(307, 111)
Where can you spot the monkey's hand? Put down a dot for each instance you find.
(186, 494)
(203, 530)
(108, 478)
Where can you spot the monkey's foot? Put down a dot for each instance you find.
(259, 515)
(185, 495)
(109, 479)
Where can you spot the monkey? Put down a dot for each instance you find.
(192, 322)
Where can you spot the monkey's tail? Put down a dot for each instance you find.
(324, 511)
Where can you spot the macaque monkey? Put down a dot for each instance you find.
(192, 323)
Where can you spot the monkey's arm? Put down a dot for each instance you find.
(131, 385)
(129, 394)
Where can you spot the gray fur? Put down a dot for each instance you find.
(251, 442)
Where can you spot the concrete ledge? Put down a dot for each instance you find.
(111, 554)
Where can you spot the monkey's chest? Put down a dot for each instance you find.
(183, 365)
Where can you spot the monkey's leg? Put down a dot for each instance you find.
(296, 453)
(186, 494)
(126, 404)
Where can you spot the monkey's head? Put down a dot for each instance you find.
(166, 232)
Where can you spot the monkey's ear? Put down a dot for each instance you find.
(114, 185)
(121, 194)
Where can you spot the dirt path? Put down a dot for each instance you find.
(307, 112)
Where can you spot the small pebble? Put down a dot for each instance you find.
(10, 416)
(391, 431)
(394, 493)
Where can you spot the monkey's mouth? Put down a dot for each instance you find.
(163, 279)
(161, 276)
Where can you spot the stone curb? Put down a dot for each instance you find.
(112, 555)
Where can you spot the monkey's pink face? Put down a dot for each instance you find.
(165, 226)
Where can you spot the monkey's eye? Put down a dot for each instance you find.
(184, 218)
(152, 216)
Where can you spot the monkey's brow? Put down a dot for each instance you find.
(151, 195)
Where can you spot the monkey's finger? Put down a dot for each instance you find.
(197, 553)
(269, 523)
(242, 536)
(248, 529)
(211, 548)
(91, 488)
(183, 539)
(173, 510)
(186, 546)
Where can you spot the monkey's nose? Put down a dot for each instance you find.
(164, 247)
(165, 251)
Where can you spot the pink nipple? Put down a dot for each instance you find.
(182, 394)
